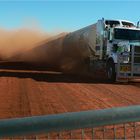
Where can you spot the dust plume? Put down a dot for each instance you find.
(31, 46)
(45, 53)
(62, 52)
(13, 42)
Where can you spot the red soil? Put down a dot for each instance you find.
(28, 93)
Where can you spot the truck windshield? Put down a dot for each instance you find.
(126, 34)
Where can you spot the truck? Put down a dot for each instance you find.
(111, 46)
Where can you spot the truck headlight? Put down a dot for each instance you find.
(124, 58)
(127, 48)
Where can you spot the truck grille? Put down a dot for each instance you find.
(137, 59)
(137, 54)
(137, 49)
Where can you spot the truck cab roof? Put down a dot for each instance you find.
(122, 23)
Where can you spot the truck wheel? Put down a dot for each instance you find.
(111, 75)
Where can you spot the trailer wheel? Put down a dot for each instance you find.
(111, 75)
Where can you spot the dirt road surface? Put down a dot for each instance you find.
(28, 93)
(31, 92)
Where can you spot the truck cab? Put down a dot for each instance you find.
(119, 42)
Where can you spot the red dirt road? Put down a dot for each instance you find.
(25, 93)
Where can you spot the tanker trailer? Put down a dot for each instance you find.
(78, 47)
(112, 46)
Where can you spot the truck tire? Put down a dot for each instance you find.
(110, 71)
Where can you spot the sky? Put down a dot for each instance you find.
(66, 15)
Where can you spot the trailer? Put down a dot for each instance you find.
(109, 45)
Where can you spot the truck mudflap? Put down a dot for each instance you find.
(128, 66)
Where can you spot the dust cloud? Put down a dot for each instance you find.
(13, 42)
(42, 49)
(30, 46)
(45, 53)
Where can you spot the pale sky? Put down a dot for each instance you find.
(66, 15)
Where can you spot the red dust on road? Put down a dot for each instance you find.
(29, 93)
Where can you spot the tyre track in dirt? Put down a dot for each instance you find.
(14, 100)
(89, 98)
(128, 94)
(114, 96)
